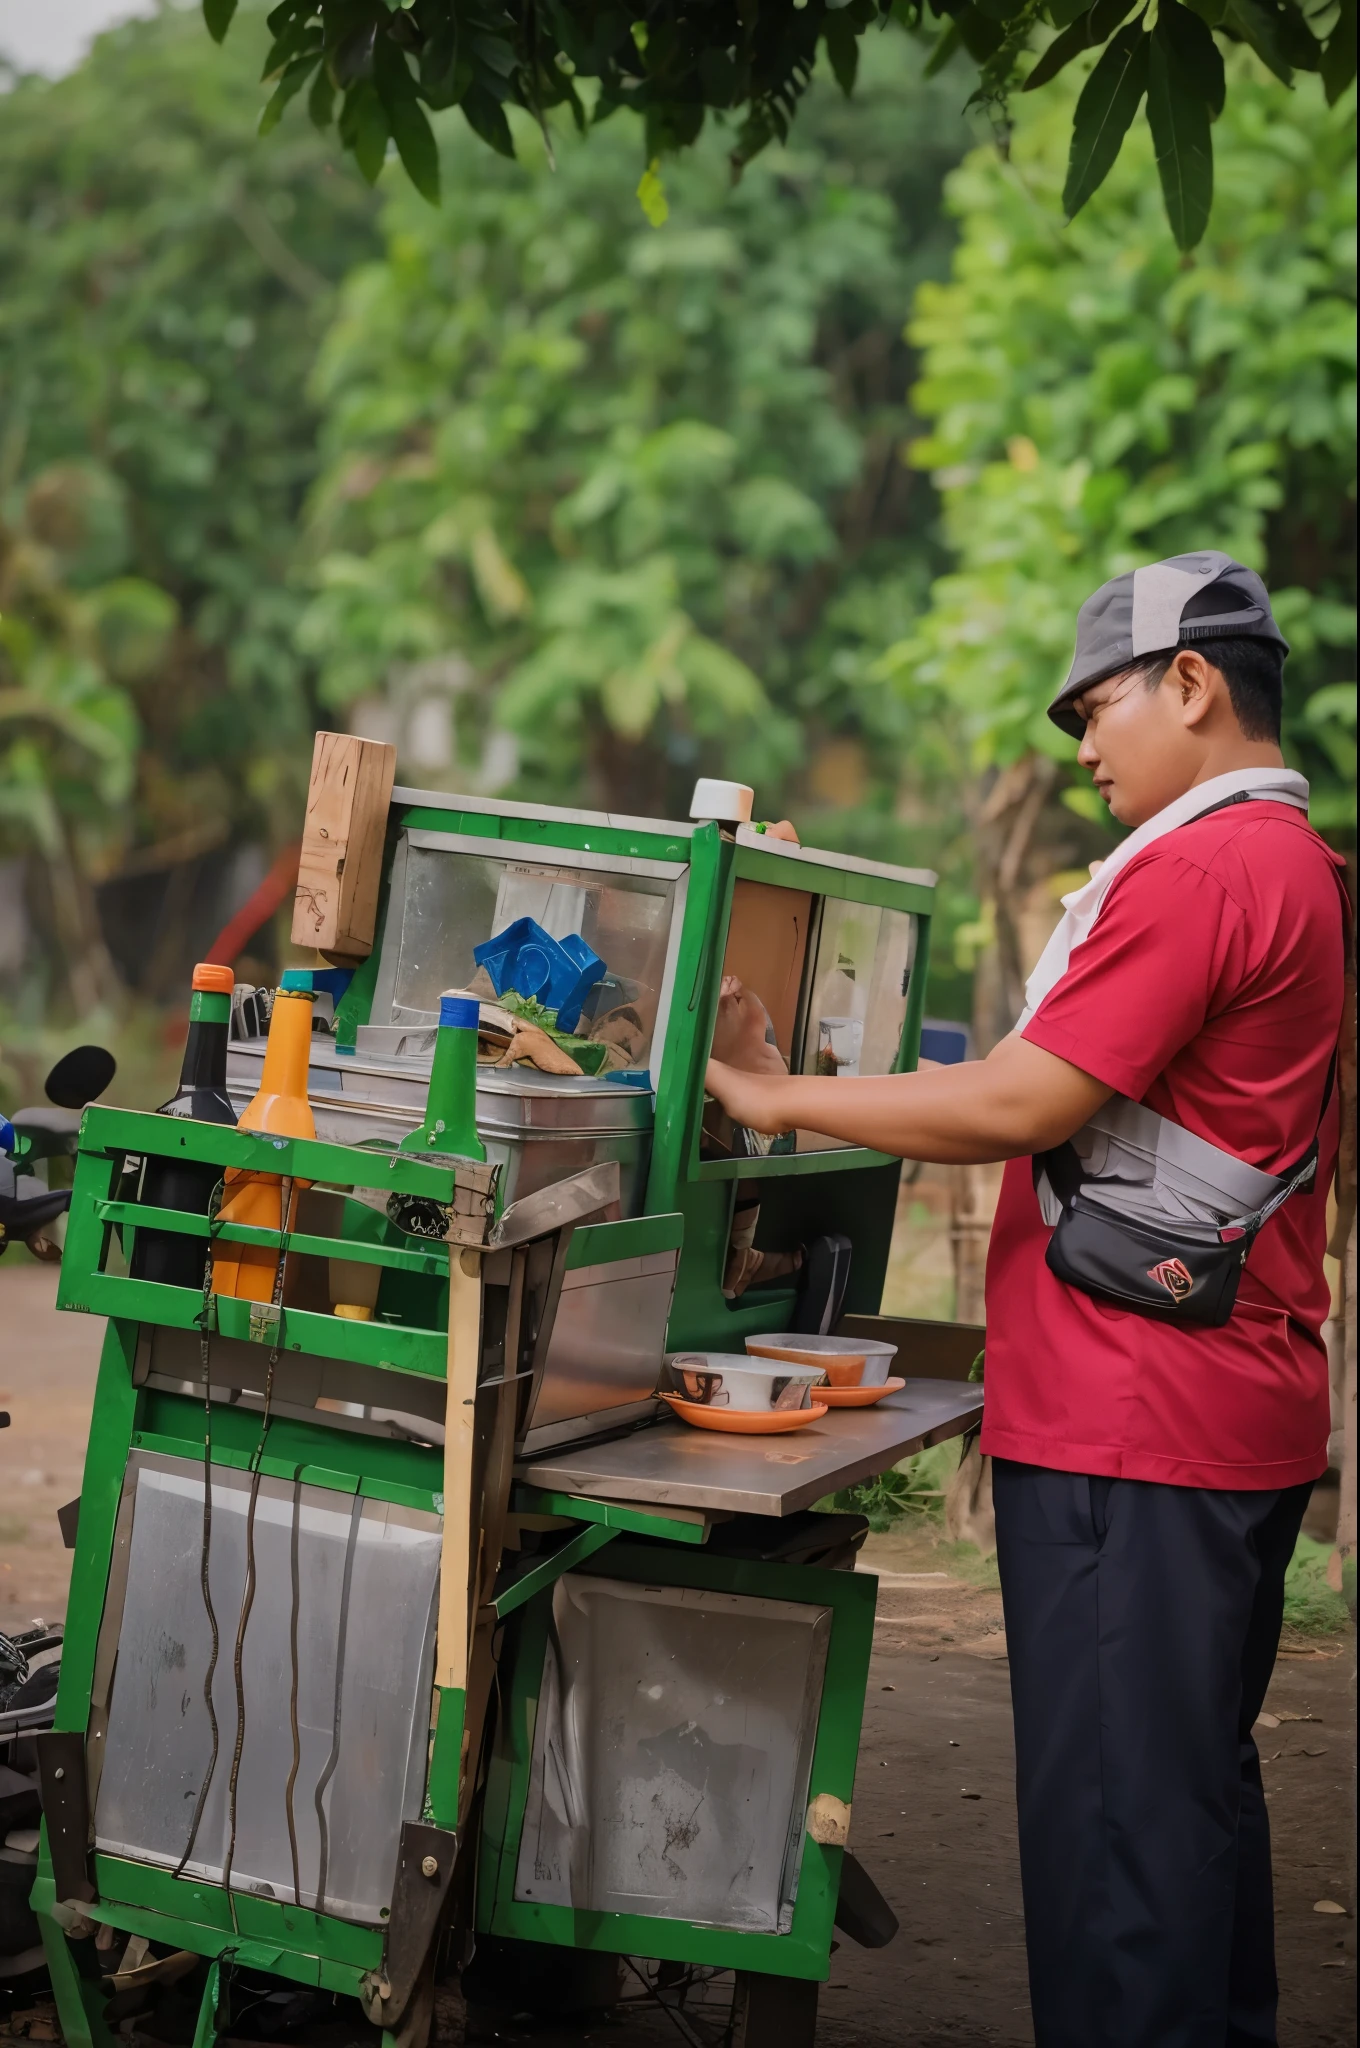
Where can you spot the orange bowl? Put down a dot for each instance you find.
(846, 1362)
(744, 1421)
(843, 1372)
(858, 1397)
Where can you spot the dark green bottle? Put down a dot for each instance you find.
(202, 1094)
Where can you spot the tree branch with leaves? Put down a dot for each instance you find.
(380, 68)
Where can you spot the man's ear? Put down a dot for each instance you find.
(1195, 678)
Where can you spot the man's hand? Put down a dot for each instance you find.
(739, 1029)
(1019, 1100)
(749, 1099)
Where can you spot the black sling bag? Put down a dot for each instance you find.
(1180, 1272)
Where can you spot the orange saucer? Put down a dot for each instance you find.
(746, 1421)
(858, 1397)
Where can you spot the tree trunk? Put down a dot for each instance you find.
(970, 1225)
(632, 775)
(91, 976)
(1341, 1564)
(1341, 1571)
(969, 1516)
(1004, 822)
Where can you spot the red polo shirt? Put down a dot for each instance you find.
(1210, 988)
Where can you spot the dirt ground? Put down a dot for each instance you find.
(934, 1818)
(47, 1372)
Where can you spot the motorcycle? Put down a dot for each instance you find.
(30, 1660)
(28, 1206)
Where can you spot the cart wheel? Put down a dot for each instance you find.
(774, 2012)
(448, 2027)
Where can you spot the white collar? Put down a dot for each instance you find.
(1083, 906)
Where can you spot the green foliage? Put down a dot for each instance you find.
(1096, 404)
(68, 731)
(1310, 1605)
(71, 646)
(912, 1491)
(1186, 91)
(637, 496)
(163, 285)
(1104, 115)
(674, 62)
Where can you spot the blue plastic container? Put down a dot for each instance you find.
(559, 973)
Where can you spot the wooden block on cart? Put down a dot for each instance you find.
(474, 1203)
(342, 845)
(467, 1219)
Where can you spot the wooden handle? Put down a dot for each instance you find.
(336, 906)
(460, 1421)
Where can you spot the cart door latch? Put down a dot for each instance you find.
(828, 1821)
(419, 1896)
(66, 1809)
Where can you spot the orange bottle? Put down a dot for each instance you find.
(251, 1272)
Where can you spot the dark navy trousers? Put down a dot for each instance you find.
(1142, 1623)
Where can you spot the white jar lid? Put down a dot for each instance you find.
(729, 803)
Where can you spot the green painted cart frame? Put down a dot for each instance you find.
(688, 1205)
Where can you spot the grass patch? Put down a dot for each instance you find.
(1310, 1605)
(965, 1561)
(908, 1500)
(913, 1490)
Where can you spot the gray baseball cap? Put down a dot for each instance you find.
(1155, 610)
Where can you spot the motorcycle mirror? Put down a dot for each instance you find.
(79, 1076)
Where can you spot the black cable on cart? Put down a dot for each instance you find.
(318, 1797)
(295, 1574)
(205, 1321)
(248, 1590)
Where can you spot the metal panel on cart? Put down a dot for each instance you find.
(674, 1466)
(609, 1332)
(672, 1716)
(671, 1753)
(335, 1681)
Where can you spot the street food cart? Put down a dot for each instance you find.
(401, 1640)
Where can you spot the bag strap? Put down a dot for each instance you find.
(1062, 1168)
(1061, 1164)
(1337, 1077)
(1294, 1177)
(1239, 796)
(1346, 1074)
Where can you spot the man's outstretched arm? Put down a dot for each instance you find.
(1019, 1099)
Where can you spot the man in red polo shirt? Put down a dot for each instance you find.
(1150, 1470)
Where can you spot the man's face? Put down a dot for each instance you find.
(1136, 744)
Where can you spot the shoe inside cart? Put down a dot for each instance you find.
(30, 1663)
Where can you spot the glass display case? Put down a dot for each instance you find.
(451, 892)
(857, 990)
(830, 952)
(831, 975)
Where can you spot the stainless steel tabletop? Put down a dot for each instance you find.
(673, 1465)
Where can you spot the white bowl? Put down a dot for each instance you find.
(729, 1379)
(847, 1361)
